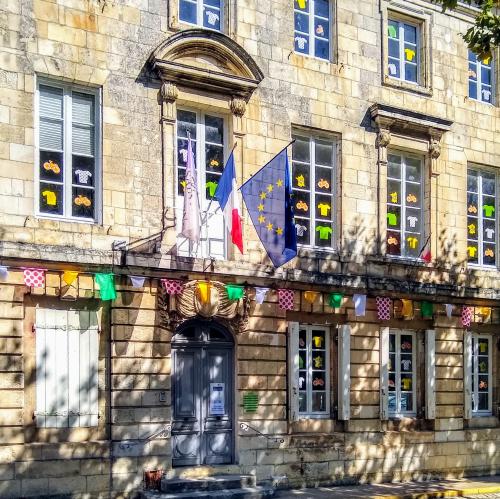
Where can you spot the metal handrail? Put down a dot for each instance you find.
(163, 432)
(246, 426)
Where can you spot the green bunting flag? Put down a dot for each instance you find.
(106, 285)
(335, 300)
(235, 291)
(427, 309)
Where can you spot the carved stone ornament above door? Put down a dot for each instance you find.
(175, 309)
(206, 60)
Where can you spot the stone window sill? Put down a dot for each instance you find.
(410, 87)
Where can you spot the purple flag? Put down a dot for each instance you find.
(191, 215)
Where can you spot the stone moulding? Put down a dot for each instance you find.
(176, 309)
(208, 60)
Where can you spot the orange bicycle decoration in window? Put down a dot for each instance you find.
(50, 165)
(301, 205)
(83, 200)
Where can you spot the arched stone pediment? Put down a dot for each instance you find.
(207, 60)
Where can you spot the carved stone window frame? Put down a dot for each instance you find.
(225, 87)
(419, 134)
(423, 19)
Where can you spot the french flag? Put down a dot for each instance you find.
(227, 196)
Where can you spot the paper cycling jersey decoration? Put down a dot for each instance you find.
(300, 181)
(52, 166)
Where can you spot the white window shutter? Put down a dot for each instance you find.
(467, 374)
(344, 384)
(430, 374)
(293, 378)
(384, 372)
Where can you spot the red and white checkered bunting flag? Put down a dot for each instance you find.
(173, 286)
(383, 308)
(34, 278)
(466, 316)
(285, 299)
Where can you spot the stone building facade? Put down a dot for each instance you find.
(392, 119)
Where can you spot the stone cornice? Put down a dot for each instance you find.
(162, 265)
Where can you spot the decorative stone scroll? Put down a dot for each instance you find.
(175, 309)
(389, 120)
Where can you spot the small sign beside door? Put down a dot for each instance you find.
(217, 399)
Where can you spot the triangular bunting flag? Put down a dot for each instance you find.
(173, 286)
(449, 310)
(359, 305)
(335, 300)
(383, 308)
(106, 284)
(310, 296)
(137, 281)
(235, 291)
(427, 309)
(260, 295)
(34, 278)
(4, 272)
(466, 316)
(204, 288)
(285, 299)
(69, 276)
(407, 310)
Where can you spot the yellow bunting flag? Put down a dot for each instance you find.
(310, 296)
(485, 313)
(407, 310)
(204, 288)
(69, 276)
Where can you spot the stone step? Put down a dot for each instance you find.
(209, 483)
(257, 492)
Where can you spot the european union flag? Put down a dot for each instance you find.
(268, 198)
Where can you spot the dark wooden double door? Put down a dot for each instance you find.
(202, 394)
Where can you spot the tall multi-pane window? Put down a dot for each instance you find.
(207, 143)
(480, 78)
(403, 50)
(68, 170)
(312, 28)
(206, 13)
(313, 187)
(314, 371)
(401, 371)
(481, 217)
(404, 205)
(481, 374)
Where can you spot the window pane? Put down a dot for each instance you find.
(302, 43)
(472, 89)
(324, 234)
(300, 150)
(83, 170)
(394, 166)
(324, 153)
(83, 108)
(411, 72)
(393, 243)
(321, 8)
(51, 166)
(301, 176)
(301, 22)
(393, 48)
(321, 28)
(186, 122)
(83, 202)
(51, 134)
(211, 18)
(410, 33)
(51, 102)
(187, 11)
(83, 140)
(302, 227)
(51, 198)
(214, 129)
(319, 402)
(322, 48)
(324, 180)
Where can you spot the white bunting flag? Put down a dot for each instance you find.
(137, 281)
(260, 295)
(4, 272)
(449, 310)
(359, 305)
